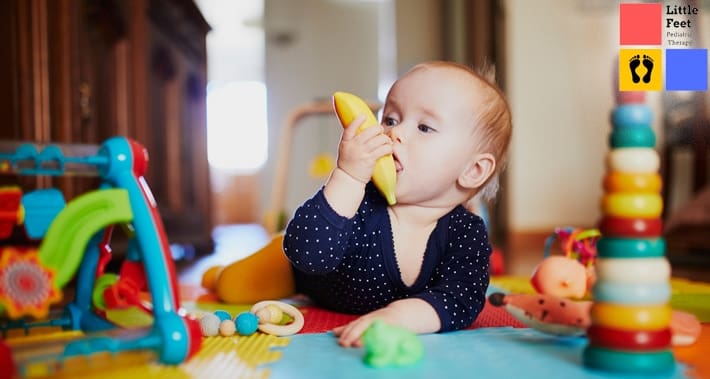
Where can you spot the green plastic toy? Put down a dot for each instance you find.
(391, 346)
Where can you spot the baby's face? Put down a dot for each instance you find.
(430, 114)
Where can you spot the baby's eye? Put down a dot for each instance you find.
(425, 128)
(389, 121)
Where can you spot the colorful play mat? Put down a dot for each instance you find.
(496, 345)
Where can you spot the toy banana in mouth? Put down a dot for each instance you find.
(384, 175)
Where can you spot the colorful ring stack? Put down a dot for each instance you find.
(630, 330)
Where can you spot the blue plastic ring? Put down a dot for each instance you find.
(632, 116)
(612, 247)
(640, 362)
(632, 137)
(631, 293)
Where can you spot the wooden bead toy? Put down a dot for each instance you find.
(276, 329)
(246, 323)
(270, 314)
(615, 247)
(209, 325)
(227, 328)
(631, 227)
(628, 317)
(633, 160)
(634, 205)
(638, 270)
(223, 315)
(617, 181)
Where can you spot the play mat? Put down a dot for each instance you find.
(496, 345)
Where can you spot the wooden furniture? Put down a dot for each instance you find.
(80, 71)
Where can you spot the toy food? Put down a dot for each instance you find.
(266, 274)
(685, 328)
(384, 175)
(560, 276)
(388, 345)
(546, 313)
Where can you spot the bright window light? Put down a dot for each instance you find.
(237, 135)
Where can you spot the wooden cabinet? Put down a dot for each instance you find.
(80, 71)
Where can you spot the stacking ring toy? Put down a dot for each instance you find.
(617, 181)
(631, 317)
(632, 137)
(631, 97)
(637, 271)
(633, 160)
(632, 116)
(628, 362)
(630, 227)
(631, 293)
(265, 322)
(633, 205)
(629, 339)
(613, 247)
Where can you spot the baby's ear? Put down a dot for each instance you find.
(478, 170)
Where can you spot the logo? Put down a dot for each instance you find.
(640, 70)
(657, 48)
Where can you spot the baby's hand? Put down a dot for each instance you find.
(358, 152)
(349, 335)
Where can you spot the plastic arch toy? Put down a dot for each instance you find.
(76, 243)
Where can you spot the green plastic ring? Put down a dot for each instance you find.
(632, 137)
(641, 362)
(612, 247)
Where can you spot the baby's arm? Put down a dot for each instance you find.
(357, 154)
(413, 314)
(452, 302)
(315, 240)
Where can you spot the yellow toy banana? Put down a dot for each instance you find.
(384, 175)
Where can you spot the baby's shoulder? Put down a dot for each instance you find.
(462, 221)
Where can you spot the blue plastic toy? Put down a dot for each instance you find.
(75, 239)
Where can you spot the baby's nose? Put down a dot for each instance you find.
(395, 133)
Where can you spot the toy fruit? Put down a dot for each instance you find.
(384, 175)
(560, 276)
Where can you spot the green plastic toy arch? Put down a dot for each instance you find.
(65, 242)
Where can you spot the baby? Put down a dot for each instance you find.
(422, 263)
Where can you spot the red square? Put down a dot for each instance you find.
(640, 24)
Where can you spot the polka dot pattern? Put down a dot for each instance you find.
(349, 265)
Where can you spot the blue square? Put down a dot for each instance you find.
(686, 69)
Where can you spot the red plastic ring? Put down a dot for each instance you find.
(629, 339)
(631, 227)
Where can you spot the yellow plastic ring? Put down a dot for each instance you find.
(632, 205)
(617, 181)
(631, 317)
(633, 160)
(633, 270)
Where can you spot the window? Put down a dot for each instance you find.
(237, 133)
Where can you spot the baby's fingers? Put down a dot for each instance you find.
(350, 335)
(351, 130)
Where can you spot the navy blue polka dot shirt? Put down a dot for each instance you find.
(349, 265)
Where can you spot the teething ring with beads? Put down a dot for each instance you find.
(266, 319)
